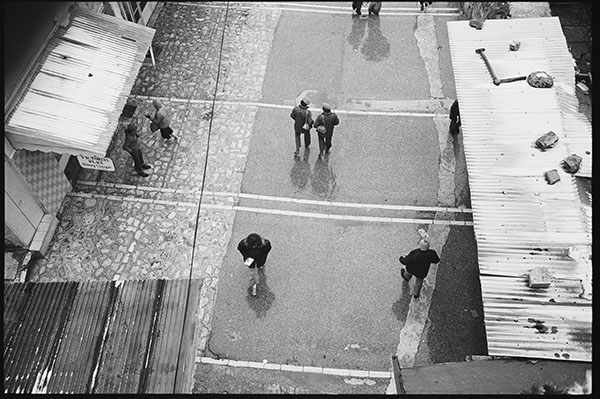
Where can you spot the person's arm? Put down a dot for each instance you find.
(434, 257)
(158, 117)
(243, 249)
(267, 246)
(318, 121)
(336, 120)
(293, 114)
(310, 119)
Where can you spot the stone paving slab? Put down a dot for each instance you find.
(217, 379)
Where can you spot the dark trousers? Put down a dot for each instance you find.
(325, 142)
(454, 125)
(306, 139)
(138, 160)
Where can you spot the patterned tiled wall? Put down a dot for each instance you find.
(49, 184)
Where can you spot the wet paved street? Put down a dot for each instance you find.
(232, 170)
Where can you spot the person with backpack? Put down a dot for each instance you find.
(417, 264)
(254, 250)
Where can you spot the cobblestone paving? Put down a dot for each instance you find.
(120, 226)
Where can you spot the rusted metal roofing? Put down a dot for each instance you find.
(520, 221)
(74, 102)
(99, 337)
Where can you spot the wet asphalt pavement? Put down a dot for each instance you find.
(332, 294)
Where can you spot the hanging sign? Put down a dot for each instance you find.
(94, 162)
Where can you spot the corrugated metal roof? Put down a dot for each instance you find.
(74, 102)
(99, 337)
(520, 221)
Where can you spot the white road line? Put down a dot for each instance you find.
(335, 10)
(298, 369)
(288, 107)
(283, 199)
(277, 211)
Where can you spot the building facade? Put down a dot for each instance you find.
(45, 94)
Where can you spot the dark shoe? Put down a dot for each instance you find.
(297, 151)
(146, 166)
(416, 296)
(402, 273)
(143, 174)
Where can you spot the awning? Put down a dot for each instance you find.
(74, 102)
(520, 221)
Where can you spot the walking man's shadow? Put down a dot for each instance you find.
(375, 47)
(264, 298)
(358, 31)
(323, 179)
(301, 170)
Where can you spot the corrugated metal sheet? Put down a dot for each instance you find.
(74, 102)
(520, 221)
(99, 337)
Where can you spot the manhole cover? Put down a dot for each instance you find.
(128, 110)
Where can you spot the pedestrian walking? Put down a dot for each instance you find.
(254, 249)
(324, 125)
(161, 121)
(356, 6)
(374, 7)
(303, 122)
(417, 264)
(454, 118)
(132, 146)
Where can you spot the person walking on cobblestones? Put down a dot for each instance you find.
(302, 123)
(132, 146)
(254, 249)
(324, 125)
(161, 120)
(417, 264)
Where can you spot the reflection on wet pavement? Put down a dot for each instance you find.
(323, 179)
(376, 47)
(264, 298)
(301, 171)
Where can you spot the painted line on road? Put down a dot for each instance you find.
(332, 10)
(288, 107)
(391, 207)
(316, 215)
(297, 369)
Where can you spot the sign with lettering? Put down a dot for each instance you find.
(94, 162)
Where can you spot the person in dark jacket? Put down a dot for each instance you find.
(302, 116)
(417, 264)
(132, 146)
(454, 118)
(374, 7)
(357, 5)
(328, 120)
(254, 250)
(161, 119)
